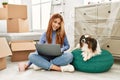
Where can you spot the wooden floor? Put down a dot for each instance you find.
(11, 73)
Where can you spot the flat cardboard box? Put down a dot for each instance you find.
(4, 51)
(17, 25)
(17, 11)
(3, 13)
(21, 50)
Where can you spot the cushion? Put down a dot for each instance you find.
(97, 64)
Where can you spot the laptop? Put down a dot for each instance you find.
(48, 49)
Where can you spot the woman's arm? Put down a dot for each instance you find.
(66, 45)
(42, 39)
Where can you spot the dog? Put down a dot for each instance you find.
(89, 46)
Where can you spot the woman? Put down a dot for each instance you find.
(55, 35)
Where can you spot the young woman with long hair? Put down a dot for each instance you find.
(55, 34)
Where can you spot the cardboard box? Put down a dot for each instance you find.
(21, 50)
(17, 11)
(13, 11)
(3, 13)
(2, 63)
(4, 51)
(17, 25)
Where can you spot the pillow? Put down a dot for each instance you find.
(96, 64)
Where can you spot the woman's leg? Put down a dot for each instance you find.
(39, 61)
(24, 66)
(55, 67)
(62, 62)
(64, 59)
(54, 64)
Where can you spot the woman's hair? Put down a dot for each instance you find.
(60, 33)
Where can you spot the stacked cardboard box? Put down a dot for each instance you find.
(3, 13)
(17, 11)
(17, 25)
(16, 16)
(4, 51)
(16, 20)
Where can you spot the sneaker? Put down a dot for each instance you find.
(67, 68)
(35, 67)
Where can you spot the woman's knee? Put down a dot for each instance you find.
(31, 56)
(68, 57)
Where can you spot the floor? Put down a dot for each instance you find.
(12, 73)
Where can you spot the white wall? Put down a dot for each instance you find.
(0, 3)
(69, 18)
(29, 11)
(3, 26)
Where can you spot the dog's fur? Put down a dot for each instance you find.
(89, 46)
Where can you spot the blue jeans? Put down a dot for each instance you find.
(46, 62)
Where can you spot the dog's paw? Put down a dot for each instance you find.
(85, 59)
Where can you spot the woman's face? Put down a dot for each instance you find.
(56, 24)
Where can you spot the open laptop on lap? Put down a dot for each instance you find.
(48, 49)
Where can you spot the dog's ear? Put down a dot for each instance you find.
(93, 43)
(80, 40)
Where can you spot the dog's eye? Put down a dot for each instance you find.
(83, 40)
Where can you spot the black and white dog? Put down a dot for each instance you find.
(89, 46)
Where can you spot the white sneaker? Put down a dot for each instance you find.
(67, 68)
(35, 67)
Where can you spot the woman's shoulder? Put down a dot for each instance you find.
(44, 33)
